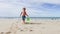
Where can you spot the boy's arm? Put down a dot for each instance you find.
(20, 13)
(26, 14)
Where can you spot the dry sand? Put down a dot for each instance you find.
(35, 26)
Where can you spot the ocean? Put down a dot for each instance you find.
(32, 17)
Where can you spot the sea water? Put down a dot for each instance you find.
(30, 17)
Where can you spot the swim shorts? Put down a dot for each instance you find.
(23, 17)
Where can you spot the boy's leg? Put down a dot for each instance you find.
(23, 20)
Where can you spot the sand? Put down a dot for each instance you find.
(35, 26)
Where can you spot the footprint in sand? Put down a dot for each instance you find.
(25, 29)
(2, 33)
(31, 30)
(8, 32)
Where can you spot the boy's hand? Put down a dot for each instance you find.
(27, 16)
(20, 14)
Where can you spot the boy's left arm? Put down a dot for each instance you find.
(26, 14)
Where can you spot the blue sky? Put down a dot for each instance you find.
(35, 8)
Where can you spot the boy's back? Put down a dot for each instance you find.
(23, 13)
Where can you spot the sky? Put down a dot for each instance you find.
(34, 8)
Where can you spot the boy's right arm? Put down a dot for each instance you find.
(20, 13)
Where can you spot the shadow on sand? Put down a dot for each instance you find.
(33, 23)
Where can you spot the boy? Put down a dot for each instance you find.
(23, 14)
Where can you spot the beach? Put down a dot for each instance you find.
(35, 26)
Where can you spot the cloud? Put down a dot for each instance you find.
(43, 1)
(35, 8)
(7, 10)
(5, 5)
(52, 6)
